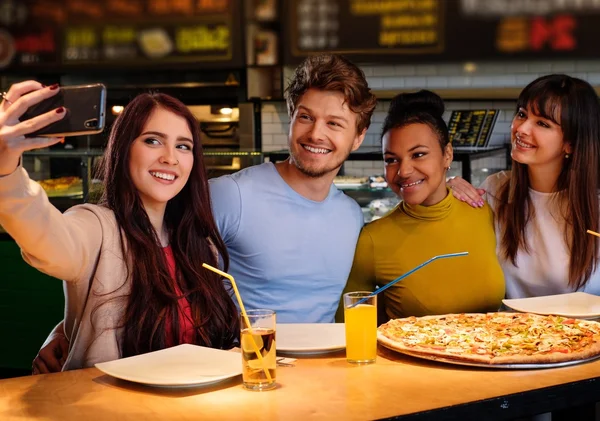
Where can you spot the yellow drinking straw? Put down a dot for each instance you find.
(593, 233)
(244, 315)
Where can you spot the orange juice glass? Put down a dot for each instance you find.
(361, 327)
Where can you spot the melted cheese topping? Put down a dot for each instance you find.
(492, 334)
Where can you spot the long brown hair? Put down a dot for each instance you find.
(578, 182)
(192, 229)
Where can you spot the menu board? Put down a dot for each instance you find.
(121, 32)
(449, 30)
(367, 27)
(471, 128)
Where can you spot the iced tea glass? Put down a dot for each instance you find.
(262, 340)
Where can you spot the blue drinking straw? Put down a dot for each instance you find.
(401, 277)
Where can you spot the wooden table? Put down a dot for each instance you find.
(319, 388)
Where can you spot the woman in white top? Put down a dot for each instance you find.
(545, 204)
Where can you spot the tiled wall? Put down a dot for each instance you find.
(275, 121)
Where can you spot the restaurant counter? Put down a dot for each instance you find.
(395, 387)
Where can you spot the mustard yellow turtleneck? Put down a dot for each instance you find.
(410, 235)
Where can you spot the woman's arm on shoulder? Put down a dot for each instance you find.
(60, 245)
(464, 191)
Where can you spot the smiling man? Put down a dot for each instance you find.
(290, 232)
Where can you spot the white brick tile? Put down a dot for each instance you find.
(504, 81)
(381, 106)
(280, 118)
(426, 70)
(491, 69)
(505, 115)
(354, 172)
(512, 68)
(498, 139)
(502, 127)
(459, 81)
(540, 67)
(379, 116)
(594, 78)
(458, 105)
(271, 128)
(266, 117)
(587, 66)
(368, 70)
(482, 105)
(563, 66)
(437, 82)
(393, 82)
(525, 79)
(580, 75)
(481, 81)
(375, 128)
(268, 148)
(450, 69)
(267, 139)
(415, 82)
(405, 70)
(269, 107)
(375, 82)
(370, 142)
(505, 105)
(281, 140)
(384, 71)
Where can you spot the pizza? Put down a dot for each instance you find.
(494, 338)
(61, 183)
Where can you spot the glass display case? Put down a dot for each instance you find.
(70, 177)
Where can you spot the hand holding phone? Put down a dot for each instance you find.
(13, 131)
(86, 109)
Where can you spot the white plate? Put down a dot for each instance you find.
(182, 365)
(577, 304)
(310, 338)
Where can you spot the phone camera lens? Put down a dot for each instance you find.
(91, 124)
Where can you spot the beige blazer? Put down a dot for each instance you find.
(81, 247)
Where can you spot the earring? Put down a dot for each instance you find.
(449, 167)
(567, 156)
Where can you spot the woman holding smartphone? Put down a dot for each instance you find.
(131, 285)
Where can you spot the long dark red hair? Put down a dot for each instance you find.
(152, 301)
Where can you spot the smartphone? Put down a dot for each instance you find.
(86, 111)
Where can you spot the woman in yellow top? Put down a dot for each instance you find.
(429, 221)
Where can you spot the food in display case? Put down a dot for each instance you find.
(377, 182)
(381, 207)
(62, 186)
(342, 181)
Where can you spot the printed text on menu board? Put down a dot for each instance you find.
(394, 26)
